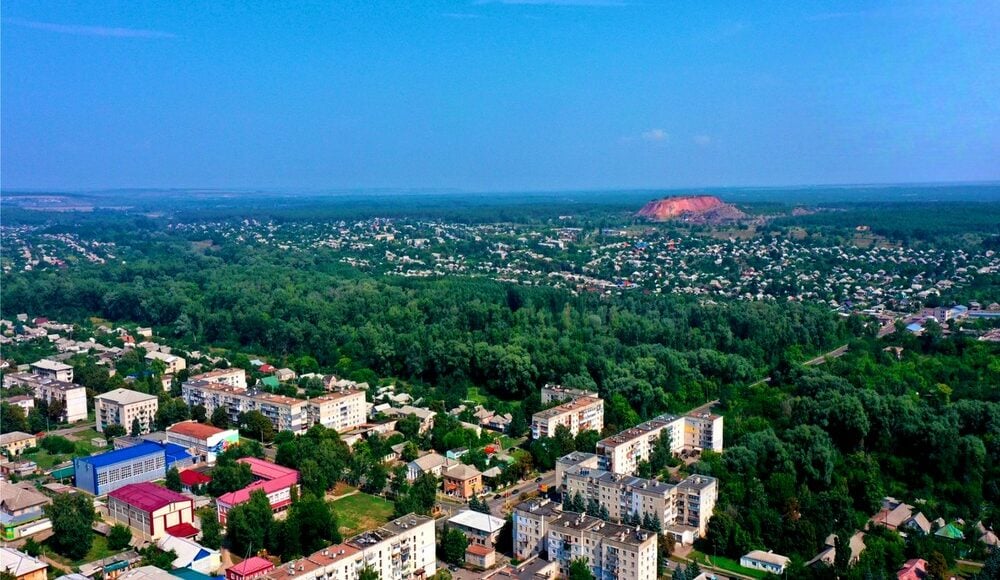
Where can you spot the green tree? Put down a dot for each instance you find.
(119, 537)
(937, 566)
(114, 430)
(174, 479)
(211, 530)
(579, 570)
(136, 428)
(255, 425)
(250, 525)
(220, 418)
(154, 556)
(12, 418)
(229, 475)
(71, 516)
(32, 548)
(199, 413)
(368, 573)
(453, 546)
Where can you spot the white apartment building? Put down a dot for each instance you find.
(683, 510)
(531, 526)
(73, 396)
(175, 364)
(582, 414)
(623, 452)
(342, 410)
(612, 551)
(51, 369)
(234, 377)
(402, 549)
(122, 406)
(558, 393)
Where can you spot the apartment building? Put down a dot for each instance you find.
(531, 526)
(582, 414)
(234, 377)
(274, 480)
(123, 406)
(342, 410)
(399, 550)
(683, 510)
(51, 369)
(73, 396)
(623, 452)
(612, 551)
(402, 549)
(558, 394)
(174, 363)
(570, 460)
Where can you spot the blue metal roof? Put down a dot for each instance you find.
(119, 455)
(175, 453)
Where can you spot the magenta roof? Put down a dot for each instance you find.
(251, 566)
(146, 496)
(267, 486)
(266, 470)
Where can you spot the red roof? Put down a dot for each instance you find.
(915, 569)
(191, 477)
(183, 530)
(146, 496)
(479, 550)
(194, 429)
(251, 565)
(266, 470)
(268, 487)
(266, 368)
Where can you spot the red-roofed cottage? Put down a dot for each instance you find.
(191, 478)
(274, 480)
(249, 569)
(152, 511)
(915, 569)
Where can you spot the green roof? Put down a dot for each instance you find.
(271, 382)
(951, 532)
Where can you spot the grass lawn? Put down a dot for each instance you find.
(360, 512)
(86, 435)
(724, 563)
(474, 396)
(99, 549)
(46, 460)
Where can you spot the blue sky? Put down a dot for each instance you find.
(501, 95)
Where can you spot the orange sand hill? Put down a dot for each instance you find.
(671, 207)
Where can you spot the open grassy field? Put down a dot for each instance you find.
(724, 563)
(359, 512)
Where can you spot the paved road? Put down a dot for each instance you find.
(835, 353)
(510, 497)
(74, 429)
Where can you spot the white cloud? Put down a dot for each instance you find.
(655, 135)
(702, 140)
(461, 15)
(81, 30)
(556, 2)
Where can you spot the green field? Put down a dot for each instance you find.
(724, 563)
(360, 512)
(99, 549)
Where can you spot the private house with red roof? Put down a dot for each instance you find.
(152, 511)
(248, 569)
(274, 480)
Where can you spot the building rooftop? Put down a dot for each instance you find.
(578, 521)
(569, 407)
(194, 429)
(19, 564)
(266, 470)
(478, 521)
(251, 565)
(638, 431)
(462, 472)
(147, 496)
(126, 454)
(539, 507)
(51, 365)
(14, 437)
(19, 496)
(125, 397)
(769, 557)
